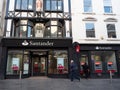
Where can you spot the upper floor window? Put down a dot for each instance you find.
(24, 5)
(50, 29)
(54, 5)
(90, 30)
(54, 29)
(111, 31)
(87, 6)
(107, 6)
(24, 28)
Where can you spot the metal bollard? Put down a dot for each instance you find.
(110, 76)
(20, 75)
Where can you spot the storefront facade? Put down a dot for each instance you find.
(102, 59)
(37, 39)
(35, 57)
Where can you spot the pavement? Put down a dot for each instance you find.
(45, 83)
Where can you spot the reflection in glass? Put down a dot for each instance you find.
(90, 30)
(87, 6)
(104, 57)
(14, 62)
(39, 30)
(30, 4)
(107, 6)
(58, 58)
(111, 31)
(24, 28)
(26, 64)
(53, 31)
(54, 5)
(18, 4)
(24, 4)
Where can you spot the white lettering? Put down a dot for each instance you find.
(103, 48)
(47, 43)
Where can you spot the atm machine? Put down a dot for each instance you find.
(98, 67)
(110, 67)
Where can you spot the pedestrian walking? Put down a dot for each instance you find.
(74, 71)
(86, 70)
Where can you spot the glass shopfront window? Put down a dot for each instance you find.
(17, 61)
(26, 62)
(14, 62)
(58, 62)
(103, 61)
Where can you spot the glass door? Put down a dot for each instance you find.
(83, 60)
(38, 66)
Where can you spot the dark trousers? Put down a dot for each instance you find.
(86, 74)
(75, 75)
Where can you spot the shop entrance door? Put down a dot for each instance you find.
(83, 60)
(39, 66)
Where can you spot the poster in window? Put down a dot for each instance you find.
(25, 68)
(15, 63)
(39, 5)
(60, 62)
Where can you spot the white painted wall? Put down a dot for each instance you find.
(78, 26)
(2, 15)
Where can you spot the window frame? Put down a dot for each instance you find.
(87, 6)
(90, 30)
(111, 33)
(27, 25)
(56, 7)
(107, 6)
(48, 28)
(27, 5)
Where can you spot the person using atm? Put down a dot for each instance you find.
(86, 70)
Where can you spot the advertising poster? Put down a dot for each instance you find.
(15, 61)
(25, 68)
(60, 61)
(15, 64)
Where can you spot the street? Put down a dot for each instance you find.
(44, 83)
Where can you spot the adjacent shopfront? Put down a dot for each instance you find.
(35, 57)
(102, 59)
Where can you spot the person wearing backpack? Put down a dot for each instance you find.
(74, 71)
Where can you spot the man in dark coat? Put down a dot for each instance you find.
(86, 70)
(74, 71)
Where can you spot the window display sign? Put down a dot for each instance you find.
(60, 61)
(110, 67)
(25, 68)
(15, 63)
(60, 65)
